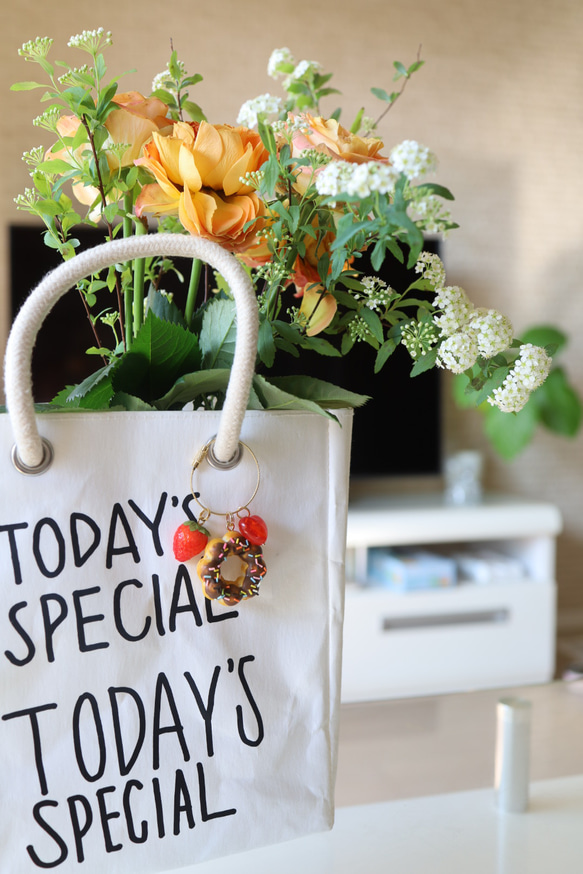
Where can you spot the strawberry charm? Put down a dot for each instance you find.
(190, 539)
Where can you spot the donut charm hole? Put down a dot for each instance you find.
(219, 556)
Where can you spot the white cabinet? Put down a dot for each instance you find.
(467, 636)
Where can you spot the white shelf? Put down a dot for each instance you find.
(457, 638)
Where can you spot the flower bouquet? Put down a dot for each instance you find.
(295, 195)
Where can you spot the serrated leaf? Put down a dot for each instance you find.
(160, 353)
(218, 334)
(165, 309)
(130, 402)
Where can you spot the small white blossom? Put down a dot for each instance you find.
(458, 352)
(412, 159)
(532, 366)
(265, 104)
(530, 370)
(431, 267)
(91, 40)
(35, 49)
(358, 180)
(418, 338)
(456, 309)
(511, 396)
(493, 331)
(432, 215)
(278, 58)
(377, 294)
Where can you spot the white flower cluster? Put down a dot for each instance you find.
(263, 105)
(91, 40)
(290, 126)
(301, 70)
(165, 78)
(377, 294)
(529, 372)
(419, 337)
(493, 331)
(36, 48)
(356, 180)
(458, 352)
(414, 160)
(279, 58)
(431, 267)
(455, 307)
(430, 212)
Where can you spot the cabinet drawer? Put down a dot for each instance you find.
(449, 640)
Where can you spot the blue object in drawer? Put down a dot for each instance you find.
(408, 570)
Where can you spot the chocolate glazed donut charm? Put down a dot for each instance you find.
(230, 592)
(245, 544)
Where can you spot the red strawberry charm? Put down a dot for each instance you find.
(190, 539)
(254, 529)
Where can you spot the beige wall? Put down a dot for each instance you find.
(499, 101)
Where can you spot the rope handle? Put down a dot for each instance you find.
(30, 450)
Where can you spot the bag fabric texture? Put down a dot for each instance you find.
(143, 727)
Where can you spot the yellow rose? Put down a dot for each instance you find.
(318, 308)
(198, 170)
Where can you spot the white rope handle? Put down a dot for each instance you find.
(29, 446)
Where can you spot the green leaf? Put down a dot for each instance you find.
(164, 309)
(401, 69)
(160, 353)
(545, 335)
(191, 386)
(26, 86)
(266, 344)
(558, 404)
(130, 402)
(90, 382)
(194, 110)
(218, 334)
(325, 394)
(321, 346)
(384, 354)
(510, 432)
(382, 95)
(425, 362)
(373, 323)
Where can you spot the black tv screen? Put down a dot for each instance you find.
(397, 433)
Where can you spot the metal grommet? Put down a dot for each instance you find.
(45, 463)
(219, 465)
(223, 465)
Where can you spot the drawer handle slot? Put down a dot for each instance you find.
(441, 620)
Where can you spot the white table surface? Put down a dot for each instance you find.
(454, 833)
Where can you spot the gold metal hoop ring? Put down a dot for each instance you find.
(205, 453)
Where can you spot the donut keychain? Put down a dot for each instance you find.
(245, 543)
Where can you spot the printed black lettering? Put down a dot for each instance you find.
(80, 830)
(36, 812)
(127, 809)
(204, 814)
(106, 815)
(158, 605)
(119, 517)
(159, 807)
(153, 525)
(92, 701)
(81, 557)
(38, 754)
(82, 620)
(220, 617)
(52, 624)
(183, 577)
(47, 522)
(206, 712)
(10, 529)
(182, 802)
(12, 613)
(127, 763)
(117, 612)
(254, 707)
(163, 688)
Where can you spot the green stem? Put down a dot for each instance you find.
(192, 290)
(128, 292)
(139, 270)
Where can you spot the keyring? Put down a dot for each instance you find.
(207, 453)
(245, 544)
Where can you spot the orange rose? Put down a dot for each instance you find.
(329, 137)
(318, 308)
(198, 170)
